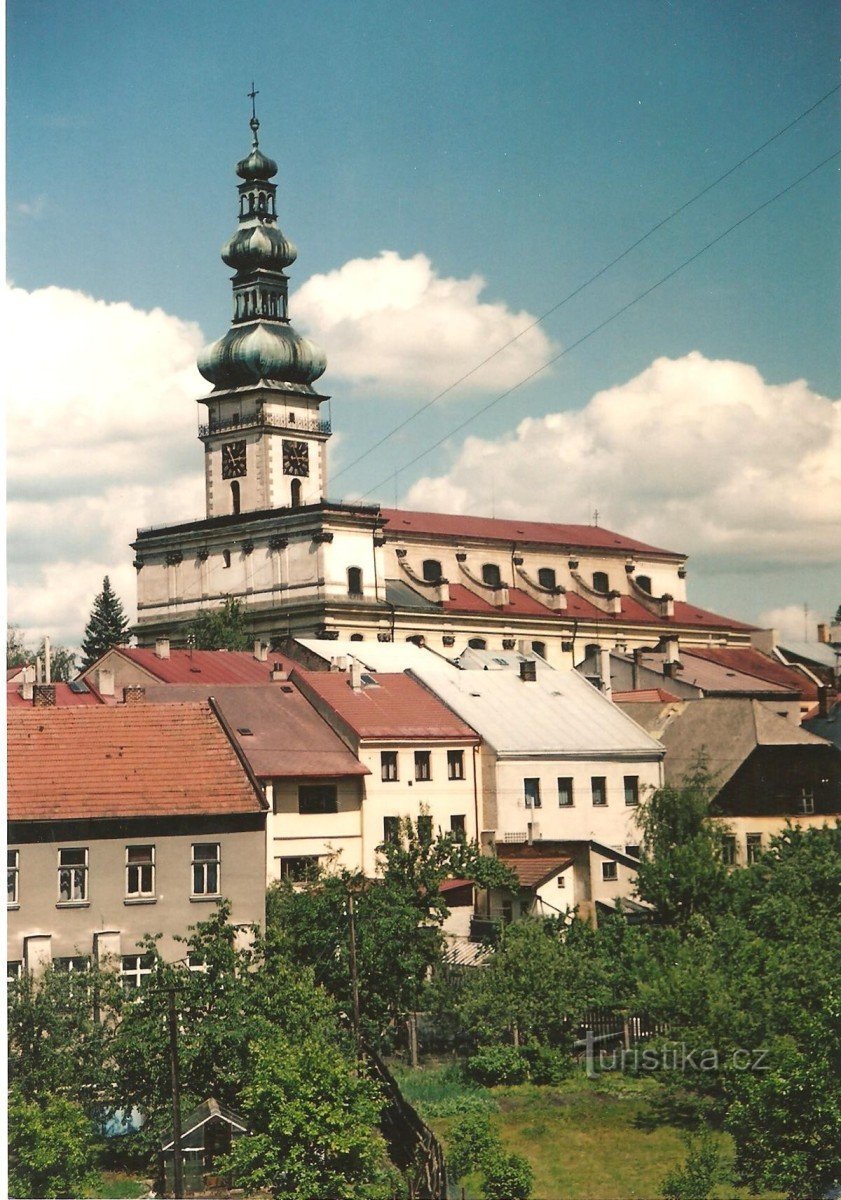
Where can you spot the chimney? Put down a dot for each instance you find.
(278, 673)
(39, 670)
(355, 675)
(261, 651)
(635, 669)
(105, 681)
(134, 694)
(604, 672)
(43, 695)
(671, 661)
(823, 633)
(528, 671)
(27, 680)
(823, 698)
(162, 647)
(47, 665)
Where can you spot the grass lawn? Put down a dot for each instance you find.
(599, 1140)
(115, 1185)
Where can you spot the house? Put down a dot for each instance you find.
(139, 666)
(767, 771)
(207, 1135)
(126, 820)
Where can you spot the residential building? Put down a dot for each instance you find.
(142, 666)
(126, 820)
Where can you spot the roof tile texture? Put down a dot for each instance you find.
(394, 706)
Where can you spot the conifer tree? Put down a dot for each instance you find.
(108, 625)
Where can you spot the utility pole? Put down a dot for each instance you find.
(177, 1163)
(354, 978)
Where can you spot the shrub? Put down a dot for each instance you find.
(698, 1175)
(547, 1065)
(471, 1143)
(51, 1148)
(507, 1177)
(497, 1064)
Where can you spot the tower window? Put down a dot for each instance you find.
(601, 583)
(226, 558)
(235, 497)
(431, 570)
(491, 575)
(644, 582)
(295, 491)
(354, 581)
(546, 577)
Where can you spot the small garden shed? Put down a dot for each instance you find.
(207, 1134)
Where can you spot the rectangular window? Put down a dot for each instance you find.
(14, 969)
(457, 825)
(598, 784)
(455, 764)
(754, 847)
(565, 792)
(316, 798)
(206, 864)
(423, 766)
(728, 851)
(70, 965)
(140, 872)
(806, 803)
(633, 851)
(531, 793)
(12, 876)
(73, 876)
(134, 969)
(562, 881)
(632, 789)
(300, 867)
(609, 872)
(391, 830)
(388, 766)
(424, 830)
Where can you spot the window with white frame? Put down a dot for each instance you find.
(206, 868)
(632, 790)
(388, 766)
(531, 793)
(12, 876)
(134, 968)
(609, 872)
(598, 785)
(565, 795)
(806, 802)
(753, 845)
(14, 969)
(423, 766)
(74, 965)
(73, 875)
(140, 872)
(455, 764)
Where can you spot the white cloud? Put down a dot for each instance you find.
(792, 622)
(696, 455)
(392, 324)
(101, 437)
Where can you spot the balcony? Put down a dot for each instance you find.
(262, 420)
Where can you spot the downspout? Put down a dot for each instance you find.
(475, 793)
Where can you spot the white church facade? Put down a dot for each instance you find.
(302, 565)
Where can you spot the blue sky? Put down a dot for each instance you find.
(528, 143)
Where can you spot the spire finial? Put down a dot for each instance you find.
(254, 123)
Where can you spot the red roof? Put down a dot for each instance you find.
(134, 760)
(645, 696)
(753, 662)
(391, 706)
(65, 697)
(205, 666)
(533, 871)
(541, 532)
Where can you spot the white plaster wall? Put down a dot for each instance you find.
(293, 833)
(350, 548)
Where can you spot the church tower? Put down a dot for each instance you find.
(265, 441)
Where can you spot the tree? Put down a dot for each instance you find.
(476, 1146)
(108, 625)
(62, 660)
(52, 1150)
(221, 628)
(17, 654)
(699, 1174)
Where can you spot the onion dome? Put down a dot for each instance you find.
(262, 352)
(256, 165)
(254, 246)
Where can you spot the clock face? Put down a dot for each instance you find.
(233, 460)
(296, 458)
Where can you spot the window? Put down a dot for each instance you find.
(140, 871)
(431, 570)
(531, 792)
(73, 876)
(206, 865)
(391, 830)
(455, 764)
(754, 847)
(354, 581)
(539, 648)
(633, 851)
(316, 798)
(477, 644)
(424, 830)
(457, 825)
(423, 767)
(298, 868)
(644, 582)
(72, 965)
(357, 637)
(565, 799)
(134, 969)
(14, 969)
(295, 493)
(806, 802)
(601, 583)
(562, 881)
(598, 785)
(388, 766)
(728, 850)
(12, 876)
(491, 575)
(235, 497)
(632, 789)
(609, 871)
(226, 558)
(546, 577)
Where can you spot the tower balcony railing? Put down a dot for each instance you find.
(260, 418)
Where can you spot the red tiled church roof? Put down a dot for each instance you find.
(131, 760)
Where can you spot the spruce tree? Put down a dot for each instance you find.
(108, 625)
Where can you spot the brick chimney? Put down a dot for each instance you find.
(135, 693)
(162, 647)
(528, 670)
(43, 695)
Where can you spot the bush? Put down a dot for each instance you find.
(497, 1064)
(51, 1148)
(471, 1143)
(698, 1175)
(546, 1065)
(507, 1177)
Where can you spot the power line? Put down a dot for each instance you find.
(577, 291)
(607, 321)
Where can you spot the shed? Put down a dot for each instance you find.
(208, 1133)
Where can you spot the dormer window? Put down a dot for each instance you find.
(601, 582)
(546, 577)
(491, 575)
(431, 570)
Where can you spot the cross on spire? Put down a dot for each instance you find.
(253, 94)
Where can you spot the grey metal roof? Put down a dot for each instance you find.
(377, 656)
(398, 593)
(498, 660)
(817, 652)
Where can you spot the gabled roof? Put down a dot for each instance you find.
(67, 695)
(205, 1112)
(762, 666)
(738, 670)
(135, 760)
(386, 706)
(532, 873)
(822, 654)
(200, 666)
(278, 730)
(558, 714)
(495, 529)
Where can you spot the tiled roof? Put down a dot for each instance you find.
(391, 706)
(65, 696)
(135, 760)
(753, 662)
(539, 532)
(279, 731)
(203, 666)
(533, 868)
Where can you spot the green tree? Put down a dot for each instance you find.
(222, 628)
(507, 1177)
(313, 1120)
(108, 625)
(52, 1149)
(475, 1146)
(62, 660)
(681, 872)
(17, 654)
(699, 1174)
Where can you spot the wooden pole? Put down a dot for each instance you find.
(413, 1038)
(177, 1162)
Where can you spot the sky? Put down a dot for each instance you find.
(450, 174)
